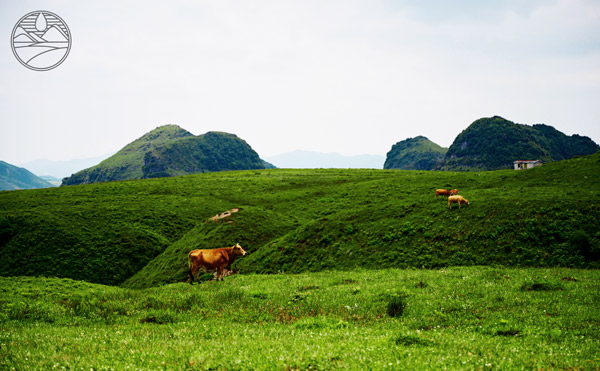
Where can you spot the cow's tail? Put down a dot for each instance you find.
(190, 275)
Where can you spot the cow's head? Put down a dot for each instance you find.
(237, 250)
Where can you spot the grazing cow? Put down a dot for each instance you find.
(442, 192)
(453, 192)
(457, 199)
(213, 260)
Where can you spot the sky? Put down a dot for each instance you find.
(346, 76)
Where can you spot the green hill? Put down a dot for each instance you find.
(495, 143)
(417, 153)
(138, 233)
(169, 151)
(13, 177)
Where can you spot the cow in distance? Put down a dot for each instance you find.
(457, 199)
(217, 261)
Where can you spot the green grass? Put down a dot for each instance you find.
(458, 318)
(138, 233)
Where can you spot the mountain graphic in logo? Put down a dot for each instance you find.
(41, 40)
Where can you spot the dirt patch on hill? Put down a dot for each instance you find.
(223, 215)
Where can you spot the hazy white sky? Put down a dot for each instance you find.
(346, 76)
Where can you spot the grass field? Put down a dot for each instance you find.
(347, 269)
(456, 318)
(138, 233)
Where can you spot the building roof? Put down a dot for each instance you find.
(527, 161)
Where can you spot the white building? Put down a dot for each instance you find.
(526, 164)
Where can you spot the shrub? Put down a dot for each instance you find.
(299, 296)
(509, 332)
(581, 242)
(308, 287)
(159, 317)
(541, 285)
(408, 340)
(396, 305)
(7, 230)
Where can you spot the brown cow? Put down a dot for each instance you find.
(442, 192)
(213, 260)
(457, 199)
(453, 192)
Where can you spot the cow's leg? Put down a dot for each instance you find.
(197, 273)
(193, 273)
(220, 272)
(190, 266)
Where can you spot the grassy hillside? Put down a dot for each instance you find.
(213, 151)
(304, 220)
(417, 153)
(128, 162)
(495, 143)
(13, 177)
(466, 318)
(171, 151)
(102, 232)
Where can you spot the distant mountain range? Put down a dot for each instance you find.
(314, 160)
(169, 151)
(13, 177)
(61, 169)
(56, 182)
(487, 144)
(490, 143)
